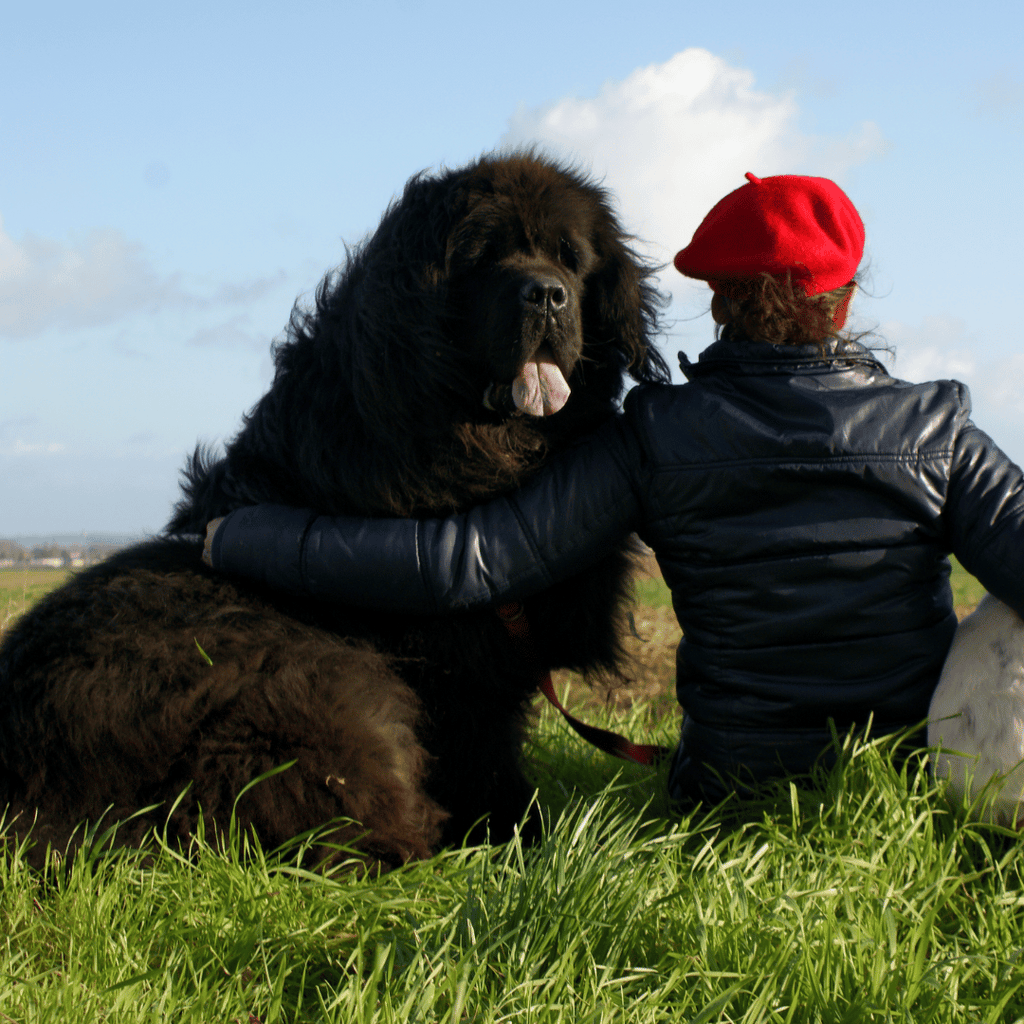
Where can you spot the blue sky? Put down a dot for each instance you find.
(173, 178)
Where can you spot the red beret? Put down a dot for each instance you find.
(807, 226)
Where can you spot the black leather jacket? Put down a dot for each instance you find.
(801, 509)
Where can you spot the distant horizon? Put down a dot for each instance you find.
(28, 540)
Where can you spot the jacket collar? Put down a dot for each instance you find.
(739, 355)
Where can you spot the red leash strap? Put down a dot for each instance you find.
(514, 618)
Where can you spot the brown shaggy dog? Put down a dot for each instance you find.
(509, 280)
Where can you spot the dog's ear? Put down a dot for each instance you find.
(628, 308)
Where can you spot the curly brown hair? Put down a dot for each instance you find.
(770, 308)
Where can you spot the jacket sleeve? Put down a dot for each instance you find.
(985, 515)
(564, 520)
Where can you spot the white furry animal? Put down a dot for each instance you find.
(977, 712)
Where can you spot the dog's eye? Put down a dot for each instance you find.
(567, 256)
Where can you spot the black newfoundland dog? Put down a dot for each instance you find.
(489, 321)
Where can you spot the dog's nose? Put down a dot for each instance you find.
(544, 293)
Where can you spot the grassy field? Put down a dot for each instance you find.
(967, 591)
(21, 588)
(856, 894)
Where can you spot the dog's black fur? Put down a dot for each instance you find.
(413, 726)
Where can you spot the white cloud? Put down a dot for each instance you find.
(20, 447)
(44, 283)
(942, 348)
(671, 139)
(234, 333)
(100, 279)
(1000, 97)
(250, 291)
(939, 348)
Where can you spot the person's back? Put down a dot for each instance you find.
(796, 507)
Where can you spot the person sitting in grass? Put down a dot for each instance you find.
(801, 503)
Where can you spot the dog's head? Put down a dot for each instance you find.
(543, 292)
(482, 280)
(496, 307)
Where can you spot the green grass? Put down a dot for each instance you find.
(858, 895)
(652, 592)
(855, 895)
(21, 588)
(967, 591)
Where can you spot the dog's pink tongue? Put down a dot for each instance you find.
(540, 389)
